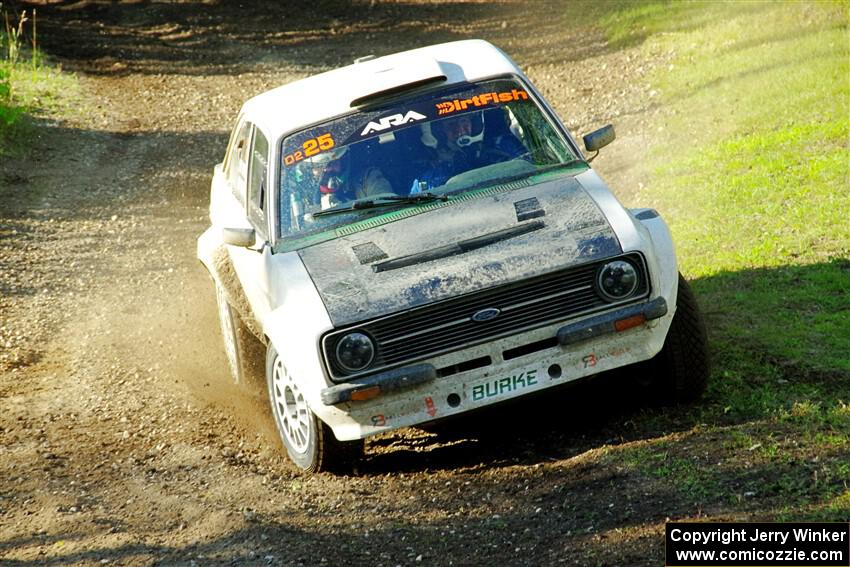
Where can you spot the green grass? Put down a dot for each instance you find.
(757, 189)
(752, 172)
(660, 463)
(635, 22)
(789, 468)
(28, 86)
(750, 166)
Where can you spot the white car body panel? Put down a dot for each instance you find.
(284, 301)
(294, 325)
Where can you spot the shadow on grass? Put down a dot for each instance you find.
(793, 321)
(758, 321)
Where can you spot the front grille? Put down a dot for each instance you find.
(448, 325)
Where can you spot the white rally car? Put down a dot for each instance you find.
(416, 236)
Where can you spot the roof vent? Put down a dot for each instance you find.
(364, 58)
(392, 75)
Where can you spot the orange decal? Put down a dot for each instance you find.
(444, 107)
(310, 148)
(325, 142)
(431, 408)
(484, 99)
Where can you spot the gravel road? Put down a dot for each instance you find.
(123, 440)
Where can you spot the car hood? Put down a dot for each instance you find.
(499, 238)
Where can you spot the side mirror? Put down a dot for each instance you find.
(599, 139)
(243, 237)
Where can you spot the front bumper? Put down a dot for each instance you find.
(410, 376)
(518, 365)
(613, 322)
(372, 386)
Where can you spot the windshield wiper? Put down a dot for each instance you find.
(383, 201)
(424, 197)
(552, 166)
(515, 177)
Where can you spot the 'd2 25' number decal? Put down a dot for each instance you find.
(310, 148)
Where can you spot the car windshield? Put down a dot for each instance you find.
(438, 145)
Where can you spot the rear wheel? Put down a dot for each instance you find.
(242, 349)
(310, 444)
(679, 373)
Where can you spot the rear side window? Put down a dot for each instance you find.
(258, 182)
(236, 167)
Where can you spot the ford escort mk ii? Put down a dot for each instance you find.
(416, 236)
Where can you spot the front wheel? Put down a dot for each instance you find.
(680, 371)
(310, 444)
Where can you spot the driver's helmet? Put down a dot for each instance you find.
(459, 131)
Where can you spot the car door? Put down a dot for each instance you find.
(240, 187)
(250, 263)
(229, 186)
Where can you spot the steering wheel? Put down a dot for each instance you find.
(494, 155)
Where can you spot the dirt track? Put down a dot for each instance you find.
(122, 439)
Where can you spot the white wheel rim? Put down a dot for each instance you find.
(291, 408)
(228, 332)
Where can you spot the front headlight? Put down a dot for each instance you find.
(355, 351)
(617, 280)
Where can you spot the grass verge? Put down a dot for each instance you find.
(28, 86)
(751, 169)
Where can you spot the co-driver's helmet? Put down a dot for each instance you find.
(332, 169)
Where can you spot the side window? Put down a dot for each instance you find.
(258, 183)
(236, 166)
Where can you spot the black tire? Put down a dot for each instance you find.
(309, 443)
(680, 371)
(244, 352)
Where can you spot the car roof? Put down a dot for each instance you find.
(307, 101)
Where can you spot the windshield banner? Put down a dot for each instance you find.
(425, 111)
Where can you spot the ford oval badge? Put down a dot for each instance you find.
(486, 315)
